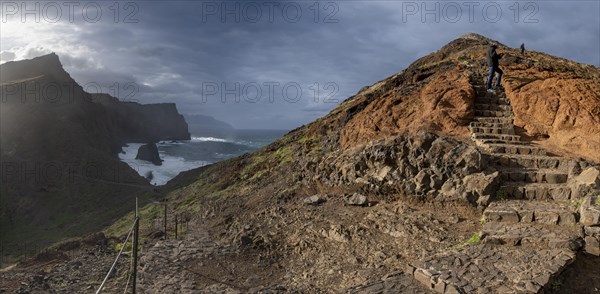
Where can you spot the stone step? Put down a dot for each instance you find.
(535, 191)
(488, 268)
(494, 107)
(533, 175)
(486, 142)
(529, 161)
(487, 130)
(535, 234)
(483, 119)
(492, 100)
(493, 113)
(515, 149)
(504, 137)
(482, 88)
(476, 124)
(484, 94)
(524, 211)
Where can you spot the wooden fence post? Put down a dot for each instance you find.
(165, 220)
(136, 228)
(175, 226)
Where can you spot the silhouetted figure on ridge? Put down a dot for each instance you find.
(492, 60)
(522, 48)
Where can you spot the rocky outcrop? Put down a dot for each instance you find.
(557, 101)
(424, 164)
(590, 219)
(149, 152)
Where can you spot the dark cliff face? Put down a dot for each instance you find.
(142, 123)
(47, 65)
(204, 125)
(60, 173)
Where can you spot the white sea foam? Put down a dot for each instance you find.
(179, 156)
(171, 165)
(208, 139)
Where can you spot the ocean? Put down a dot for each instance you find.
(181, 156)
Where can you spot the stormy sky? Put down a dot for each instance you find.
(273, 64)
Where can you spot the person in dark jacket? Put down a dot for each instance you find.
(522, 48)
(492, 60)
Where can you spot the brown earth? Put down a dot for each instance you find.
(443, 105)
(562, 107)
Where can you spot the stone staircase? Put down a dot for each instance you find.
(527, 172)
(530, 231)
(531, 223)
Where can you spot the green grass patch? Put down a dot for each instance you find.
(303, 139)
(284, 154)
(147, 214)
(128, 246)
(249, 169)
(476, 238)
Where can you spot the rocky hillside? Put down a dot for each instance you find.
(61, 176)
(420, 183)
(556, 101)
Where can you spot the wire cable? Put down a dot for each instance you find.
(116, 259)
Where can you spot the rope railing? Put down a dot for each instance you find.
(118, 256)
(128, 279)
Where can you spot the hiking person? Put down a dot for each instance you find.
(522, 48)
(492, 60)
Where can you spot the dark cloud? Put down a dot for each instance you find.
(209, 65)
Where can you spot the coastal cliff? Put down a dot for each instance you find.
(61, 175)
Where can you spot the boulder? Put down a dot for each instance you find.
(314, 199)
(149, 176)
(382, 173)
(149, 152)
(484, 201)
(590, 176)
(588, 181)
(357, 199)
(422, 180)
(592, 245)
(590, 211)
(481, 184)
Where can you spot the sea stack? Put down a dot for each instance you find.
(149, 152)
